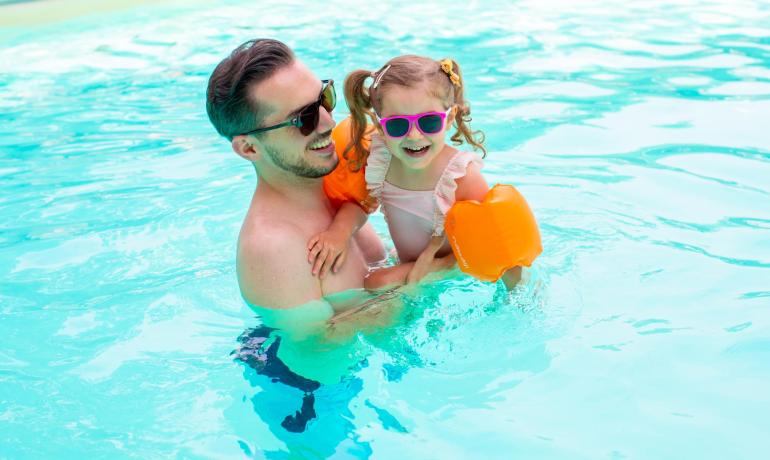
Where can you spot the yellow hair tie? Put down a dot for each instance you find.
(446, 66)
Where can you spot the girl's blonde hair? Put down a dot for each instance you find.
(365, 101)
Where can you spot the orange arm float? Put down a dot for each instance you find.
(494, 235)
(343, 184)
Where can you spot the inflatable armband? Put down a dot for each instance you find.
(490, 237)
(342, 184)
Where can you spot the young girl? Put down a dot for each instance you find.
(410, 170)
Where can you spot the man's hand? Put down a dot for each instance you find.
(442, 264)
(328, 251)
(424, 263)
(387, 277)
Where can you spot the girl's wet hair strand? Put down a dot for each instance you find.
(463, 115)
(359, 103)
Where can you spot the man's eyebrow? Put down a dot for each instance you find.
(298, 110)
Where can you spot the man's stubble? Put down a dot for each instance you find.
(301, 168)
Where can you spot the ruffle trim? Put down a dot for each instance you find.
(444, 193)
(377, 164)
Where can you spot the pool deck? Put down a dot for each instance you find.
(40, 12)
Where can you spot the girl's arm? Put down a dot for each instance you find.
(329, 249)
(472, 186)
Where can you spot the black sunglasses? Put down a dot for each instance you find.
(307, 118)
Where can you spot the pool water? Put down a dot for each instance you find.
(638, 131)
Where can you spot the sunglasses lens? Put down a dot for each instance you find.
(329, 97)
(309, 119)
(430, 124)
(397, 127)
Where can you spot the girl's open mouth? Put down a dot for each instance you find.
(416, 152)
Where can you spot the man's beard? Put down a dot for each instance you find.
(301, 168)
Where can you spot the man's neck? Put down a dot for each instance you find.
(297, 192)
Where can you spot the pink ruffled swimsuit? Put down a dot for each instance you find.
(414, 216)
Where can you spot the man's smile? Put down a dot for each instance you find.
(323, 145)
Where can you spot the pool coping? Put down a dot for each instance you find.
(30, 13)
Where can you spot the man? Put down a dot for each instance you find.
(276, 114)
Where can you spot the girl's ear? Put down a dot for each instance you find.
(247, 147)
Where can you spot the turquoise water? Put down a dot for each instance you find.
(637, 130)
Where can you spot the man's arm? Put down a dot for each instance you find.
(272, 271)
(388, 277)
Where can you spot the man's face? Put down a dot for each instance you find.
(281, 96)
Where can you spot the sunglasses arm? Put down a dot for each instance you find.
(293, 122)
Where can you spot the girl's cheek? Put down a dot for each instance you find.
(392, 146)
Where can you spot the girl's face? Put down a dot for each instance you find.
(415, 150)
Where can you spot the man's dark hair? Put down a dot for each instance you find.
(228, 104)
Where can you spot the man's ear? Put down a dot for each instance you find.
(247, 147)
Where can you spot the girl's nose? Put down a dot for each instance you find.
(413, 133)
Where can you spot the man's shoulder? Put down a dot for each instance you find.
(267, 238)
(272, 266)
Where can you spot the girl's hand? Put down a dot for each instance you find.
(328, 251)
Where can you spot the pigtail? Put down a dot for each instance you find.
(463, 113)
(360, 105)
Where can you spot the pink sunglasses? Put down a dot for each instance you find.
(427, 123)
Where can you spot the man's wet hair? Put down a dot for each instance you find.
(230, 108)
